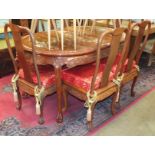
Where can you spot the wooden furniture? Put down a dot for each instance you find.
(96, 81)
(131, 60)
(6, 66)
(103, 22)
(30, 78)
(150, 47)
(85, 53)
(113, 23)
(22, 22)
(135, 30)
(127, 23)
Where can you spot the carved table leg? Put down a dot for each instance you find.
(59, 94)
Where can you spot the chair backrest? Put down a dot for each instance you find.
(20, 61)
(117, 36)
(117, 23)
(137, 43)
(121, 23)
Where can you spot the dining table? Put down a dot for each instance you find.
(85, 52)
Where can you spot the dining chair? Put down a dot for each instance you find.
(98, 80)
(33, 79)
(130, 69)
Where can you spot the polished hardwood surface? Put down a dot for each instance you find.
(83, 42)
(86, 46)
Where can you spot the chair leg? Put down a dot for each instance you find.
(90, 113)
(65, 96)
(114, 103)
(118, 99)
(133, 85)
(19, 100)
(39, 108)
(90, 123)
(150, 60)
(41, 118)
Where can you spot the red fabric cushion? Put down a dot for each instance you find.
(81, 76)
(47, 75)
(125, 64)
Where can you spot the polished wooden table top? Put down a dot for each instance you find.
(85, 52)
(86, 43)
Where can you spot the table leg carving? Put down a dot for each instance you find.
(59, 93)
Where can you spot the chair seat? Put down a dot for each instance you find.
(81, 76)
(125, 64)
(47, 75)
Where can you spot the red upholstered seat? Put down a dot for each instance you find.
(125, 64)
(81, 76)
(47, 75)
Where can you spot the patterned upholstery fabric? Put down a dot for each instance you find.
(126, 62)
(81, 76)
(47, 75)
(118, 57)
